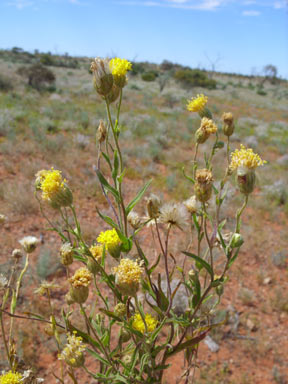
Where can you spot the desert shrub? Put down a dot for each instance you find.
(137, 68)
(189, 78)
(5, 84)
(38, 76)
(148, 76)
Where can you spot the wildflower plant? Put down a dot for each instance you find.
(134, 293)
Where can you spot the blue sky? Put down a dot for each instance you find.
(238, 35)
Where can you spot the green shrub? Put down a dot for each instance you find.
(189, 78)
(148, 76)
(5, 84)
(38, 76)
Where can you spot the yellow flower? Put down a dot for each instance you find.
(11, 378)
(51, 183)
(245, 158)
(197, 104)
(81, 278)
(72, 354)
(119, 67)
(111, 241)
(128, 276)
(139, 325)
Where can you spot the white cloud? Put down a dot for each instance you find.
(251, 13)
(205, 5)
(280, 4)
(20, 4)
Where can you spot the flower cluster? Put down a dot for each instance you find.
(119, 67)
(81, 278)
(11, 378)
(54, 188)
(197, 104)
(138, 324)
(72, 354)
(245, 158)
(128, 276)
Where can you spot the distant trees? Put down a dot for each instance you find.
(38, 76)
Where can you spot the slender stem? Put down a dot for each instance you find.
(4, 339)
(15, 298)
(228, 150)
(239, 213)
(208, 240)
(194, 160)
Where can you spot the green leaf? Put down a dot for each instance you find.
(106, 185)
(108, 220)
(196, 222)
(139, 195)
(106, 157)
(189, 343)
(98, 357)
(116, 165)
(201, 261)
(187, 177)
(222, 241)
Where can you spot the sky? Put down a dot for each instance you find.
(239, 36)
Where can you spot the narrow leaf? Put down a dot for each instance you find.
(201, 261)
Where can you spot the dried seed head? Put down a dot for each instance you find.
(66, 254)
(228, 123)
(174, 215)
(134, 219)
(29, 243)
(101, 132)
(153, 206)
(103, 78)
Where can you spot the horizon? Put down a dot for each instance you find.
(236, 36)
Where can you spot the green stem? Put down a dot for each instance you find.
(239, 213)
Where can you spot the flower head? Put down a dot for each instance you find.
(11, 378)
(72, 354)
(29, 243)
(111, 241)
(206, 129)
(139, 325)
(153, 206)
(228, 123)
(128, 276)
(174, 214)
(197, 104)
(53, 187)
(119, 67)
(245, 158)
(81, 278)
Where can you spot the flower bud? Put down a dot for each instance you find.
(220, 290)
(93, 262)
(236, 240)
(93, 266)
(228, 123)
(80, 281)
(124, 335)
(120, 310)
(245, 179)
(66, 254)
(153, 206)
(103, 78)
(203, 185)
